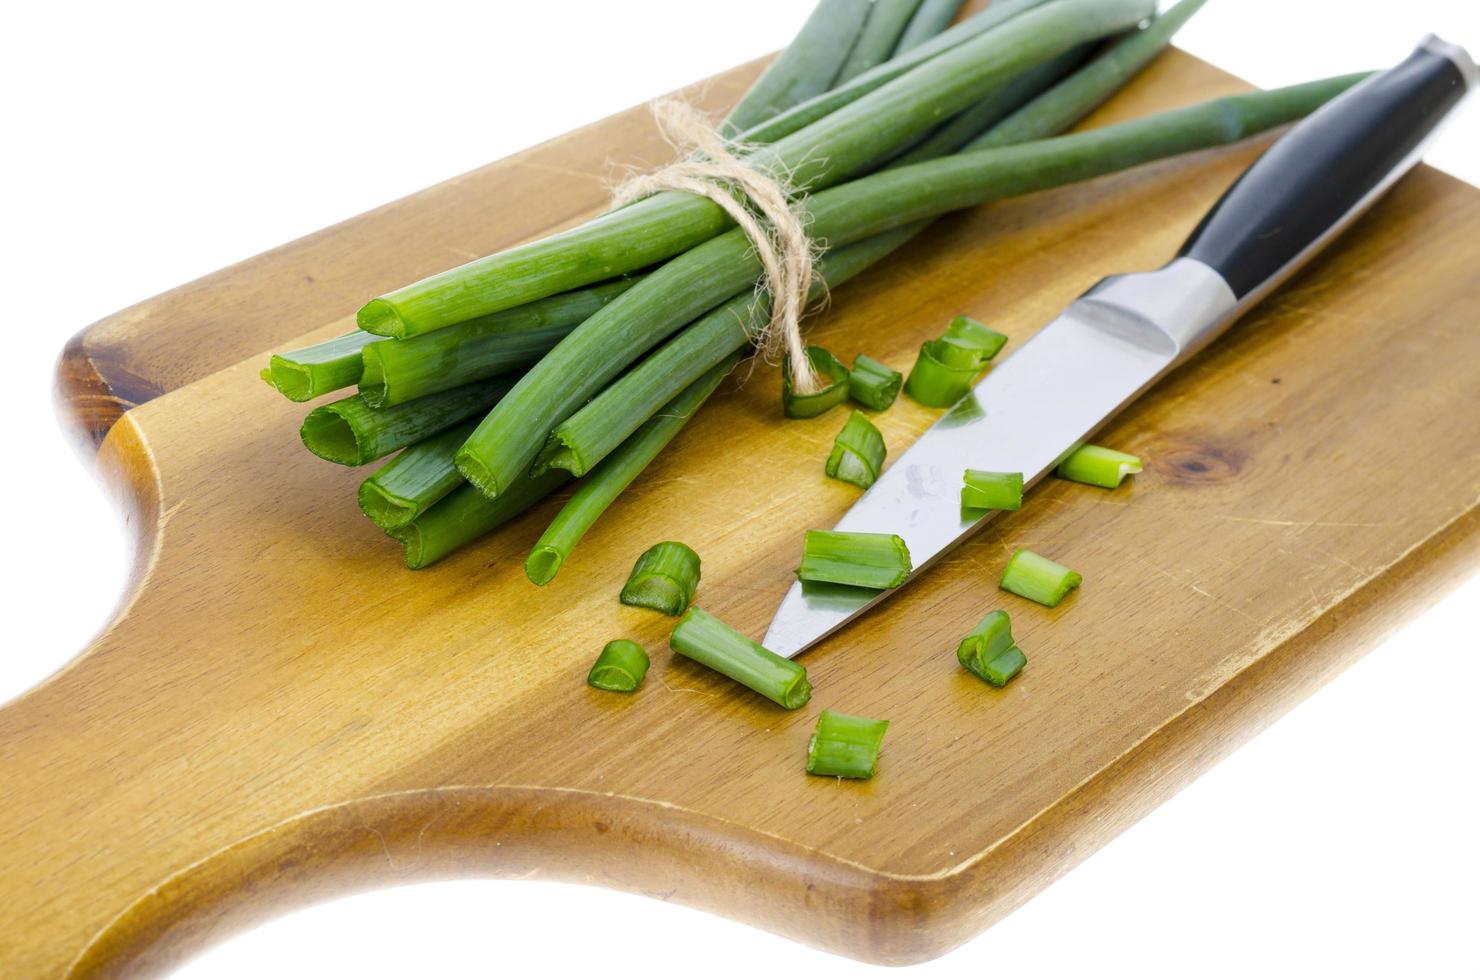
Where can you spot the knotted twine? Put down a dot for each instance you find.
(761, 206)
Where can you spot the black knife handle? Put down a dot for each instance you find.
(1327, 170)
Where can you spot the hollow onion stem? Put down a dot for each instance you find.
(308, 372)
(887, 20)
(1098, 466)
(858, 453)
(845, 745)
(402, 490)
(620, 667)
(616, 472)
(465, 515)
(989, 651)
(872, 384)
(350, 432)
(856, 558)
(933, 17)
(1040, 579)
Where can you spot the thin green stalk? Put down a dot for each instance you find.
(857, 558)
(403, 489)
(584, 439)
(621, 667)
(397, 371)
(821, 154)
(1060, 108)
(352, 433)
(854, 89)
(664, 578)
(845, 745)
(1040, 579)
(1098, 466)
(615, 473)
(466, 515)
(987, 113)
(880, 36)
(507, 441)
(933, 17)
(807, 66)
(308, 372)
(990, 652)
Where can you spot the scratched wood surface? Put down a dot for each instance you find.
(281, 713)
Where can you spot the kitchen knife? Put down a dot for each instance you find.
(1128, 331)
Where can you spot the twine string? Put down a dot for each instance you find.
(761, 206)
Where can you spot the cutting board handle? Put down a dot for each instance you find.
(1328, 170)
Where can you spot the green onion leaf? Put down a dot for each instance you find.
(868, 561)
(1098, 466)
(402, 490)
(701, 637)
(886, 23)
(933, 17)
(621, 667)
(664, 578)
(857, 453)
(352, 433)
(305, 374)
(465, 514)
(989, 652)
(985, 490)
(809, 405)
(1032, 576)
(873, 385)
(845, 745)
(615, 473)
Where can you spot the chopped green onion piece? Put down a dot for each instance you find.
(984, 490)
(845, 745)
(1032, 576)
(308, 372)
(868, 561)
(402, 490)
(873, 385)
(989, 652)
(664, 578)
(934, 381)
(975, 343)
(350, 432)
(1098, 466)
(621, 667)
(857, 453)
(701, 637)
(810, 405)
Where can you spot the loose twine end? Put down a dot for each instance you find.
(761, 205)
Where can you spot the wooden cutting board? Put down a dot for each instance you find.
(280, 712)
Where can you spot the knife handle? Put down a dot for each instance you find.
(1324, 173)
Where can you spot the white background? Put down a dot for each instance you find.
(150, 143)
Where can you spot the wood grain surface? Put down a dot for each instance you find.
(280, 712)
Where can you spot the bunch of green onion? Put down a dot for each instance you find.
(581, 355)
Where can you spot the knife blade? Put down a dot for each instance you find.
(1128, 331)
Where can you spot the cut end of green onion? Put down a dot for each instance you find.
(858, 452)
(477, 473)
(413, 547)
(293, 380)
(718, 646)
(328, 435)
(542, 565)
(981, 341)
(664, 578)
(809, 405)
(985, 490)
(1032, 576)
(386, 510)
(845, 745)
(872, 384)
(1098, 466)
(266, 375)
(380, 318)
(372, 377)
(620, 667)
(868, 561)
(989, 652)
(559, 454)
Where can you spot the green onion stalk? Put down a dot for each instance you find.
(351, 433)
(398, 371)
(664, 578)
(403, 489)
(465, 515)
(620, 667)
(505, 444)
(719, 646)
(932, 17)
(886, 24)
(615, 474)
(820, 154)
(808, 66)
(306, 373)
